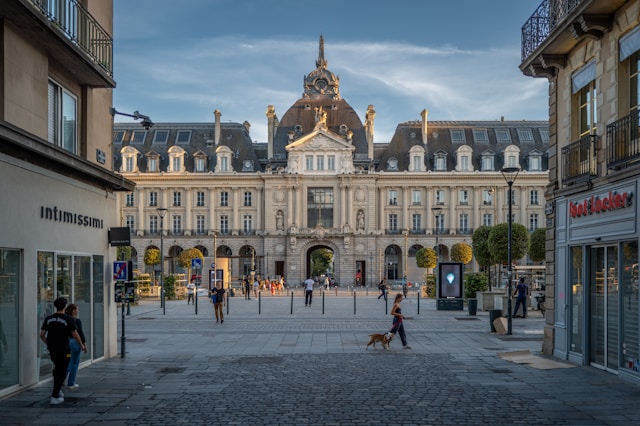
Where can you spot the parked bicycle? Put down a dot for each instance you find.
(540, 300)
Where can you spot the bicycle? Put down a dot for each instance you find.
(540, 300)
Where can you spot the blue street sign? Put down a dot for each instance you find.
(119, 271)
(196, 263)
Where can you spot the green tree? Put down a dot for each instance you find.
(152, 257)
(537, 245)
(426, 258)
(124, 253)
(474, 283)
(499, 242)
(480, 244)
(321, 260)
(461, 252)
(184, 259)
(169, 287)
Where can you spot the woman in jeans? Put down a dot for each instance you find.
(398, 319)
(74, 362)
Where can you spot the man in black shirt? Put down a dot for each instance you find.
(55, 332)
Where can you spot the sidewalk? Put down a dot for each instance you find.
(272, 362)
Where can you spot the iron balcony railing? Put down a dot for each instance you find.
(579, 161)
(81, 28)
(623, 144)
(543, 21)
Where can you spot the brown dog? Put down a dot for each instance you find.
(373, 338)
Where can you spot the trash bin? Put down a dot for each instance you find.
(472, 305)
(493, 315)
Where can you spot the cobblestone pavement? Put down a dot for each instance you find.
(275, 362)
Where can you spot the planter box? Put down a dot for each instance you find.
(487, 300)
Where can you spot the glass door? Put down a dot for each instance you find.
(604, 307)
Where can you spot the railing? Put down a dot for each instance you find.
(579, 159)
(543, 21)
(81, 28)
(421, 231)
(464, 231)
(623, 145)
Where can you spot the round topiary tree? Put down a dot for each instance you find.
(537, 245)
(499, 242)
(426, 258)
(461, 252)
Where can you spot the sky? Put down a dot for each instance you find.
(178, 61)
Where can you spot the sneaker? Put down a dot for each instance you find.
(406, 347)
(221, 321)
(60, 394)
(55, 401)
(74, 386)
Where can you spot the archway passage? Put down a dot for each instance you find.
(320, 262)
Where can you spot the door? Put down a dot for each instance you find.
(604, 308)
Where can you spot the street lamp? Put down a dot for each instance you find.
(436, 212)
(510, 174)
(146, 121)
(161, 213)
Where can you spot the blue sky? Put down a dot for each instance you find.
(178, 61)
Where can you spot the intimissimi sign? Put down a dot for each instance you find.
(57, 215)
(603, 203)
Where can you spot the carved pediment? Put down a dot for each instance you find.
(320, 140)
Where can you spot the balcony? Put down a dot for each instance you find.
(556, 27)
(623, 145)
(464, 231)
(579, 161)
(418, 231)
(69, 34)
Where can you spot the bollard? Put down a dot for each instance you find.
(123, 338)
(323, 303)
(336, 290)
(354, 302)
(128, 308)
(418, 303)
(227, 300)
(259, 302)
(291, 302)
(386, 306)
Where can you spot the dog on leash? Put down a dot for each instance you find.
(382, 338)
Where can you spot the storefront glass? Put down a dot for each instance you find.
(630, 313)
(10, 261)
(604, 306)
(45, 307)
(98, 307)
(82, 297)
(577, 301)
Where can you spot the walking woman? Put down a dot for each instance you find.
(74, 362)
(398, 320)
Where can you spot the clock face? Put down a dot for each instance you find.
(321, 84)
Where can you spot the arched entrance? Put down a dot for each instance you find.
(320, 262)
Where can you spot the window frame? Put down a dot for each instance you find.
(58, 133)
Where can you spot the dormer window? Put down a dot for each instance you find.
(129, 160)
(223, 157)
(118, 137)
(392, 164)
(161, 137)
(183, 137)
(199, 162)
(416, 164)
(488, 161)
(176, 159)
(525, 135)
(463, 159)
(535, 161)
(153, 162)
(457, 136)
(512, 156)
(440, 161)
(480, 136)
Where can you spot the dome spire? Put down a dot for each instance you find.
(321, 62)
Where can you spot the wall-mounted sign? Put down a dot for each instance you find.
(612, 200)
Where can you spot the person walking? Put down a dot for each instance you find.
(522, 290)
(191, 287)
(383, 289)
(398, 320)
(74, 362)
(247, 289)
(219, 294)
(308, 291)
(55, 332)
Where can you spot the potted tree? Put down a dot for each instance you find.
(473, 283)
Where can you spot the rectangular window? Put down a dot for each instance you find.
(331, 162)
(587, 110)
(62, 118)
(544, 135)
(201, 164)
(177, 225)
(393, 222)
(503, 135)
(309, 162)
(487, 219)
(417, 163)
(463, 197)
(440, 195)
(393, 197)
(457, 136)
(525, 135)
(224, 199)
(137, 137)
(153, 199)
(513, 197)
(535, 163)
(247, 198)
(464, 223)
(416, 197)
(177, 198)
(533, 221)
(439, 223)
(416, 222)
(247, 222)
(130, 222)
(129, 164)
(153, 224)
(200, 224)
(487, 163)
(176, 164)
(160, 136)
(118, 137)
(200, 199)
(464, 163)
(511, 161)
(183, 136)
(441, 163)
(320, 163)
(480, 135)
(152, 165)
(533, 197)
(320, 207)
(129, 201)
(224, 224)
(224, 164)
(487, 197)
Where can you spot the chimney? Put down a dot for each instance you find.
(425, 125)
(216, 135)
(272, 123)
(368, 128)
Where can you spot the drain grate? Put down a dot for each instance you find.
(146, 318)
(171, 370)
(467, 319)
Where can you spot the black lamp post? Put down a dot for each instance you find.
(161, 213)
(510, 174)
(436, 212)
